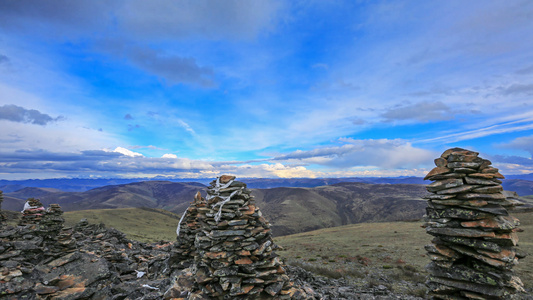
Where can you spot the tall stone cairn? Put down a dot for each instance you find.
(233, 251)
(235, 248)
(184, 251)
(473, 249)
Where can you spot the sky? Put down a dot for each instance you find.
(196, 89)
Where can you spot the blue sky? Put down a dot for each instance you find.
(262, 88)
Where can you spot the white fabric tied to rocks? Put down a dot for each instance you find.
(218, 215)
(181, 220)
(218, 186)
(28, 206)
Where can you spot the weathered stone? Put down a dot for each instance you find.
(458, 164)
(488, 189)
(437, 171)
(490, 261)
(505, 239)
(440, 162)
(470, 286)
(460, 232)
(487, 175)
(226, 178)
(442, 250)
(456, 190)
(506, 255)
(463, 203)
(466, 171)
(243, 261)
(500, 222)
(489, 170)
(458, 151)
(472, 196)
(470, 242)
(463, 273)
(493, 209)
(480, 181)
(438, 197)
(455, 212)
(444, 184)
(274, 288)
(223, 233)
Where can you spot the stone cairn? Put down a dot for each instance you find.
(234, 256)
(184, 251)
(473, 249)
(32, 213)
(2, 217)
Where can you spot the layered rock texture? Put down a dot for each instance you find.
(184, 252)
(2, 217)
(234, 254)
(41, 259)
(473, 250)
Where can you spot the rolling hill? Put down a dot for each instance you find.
(291, 210)
(171, 196)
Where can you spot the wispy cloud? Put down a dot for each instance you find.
(382, 153)
(422, 111)
(521, 124)
(526, 89)
(14, 113)
(524, 143)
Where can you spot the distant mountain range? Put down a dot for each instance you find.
(292, 205)
(82, 185)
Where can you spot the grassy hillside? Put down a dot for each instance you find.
(395, 248)
(146, 225)
(171, 196)
(293, 210)
(290, 210)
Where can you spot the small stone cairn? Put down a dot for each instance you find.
(473, 249)
(235, 256)
(32, 213)
(2, 217)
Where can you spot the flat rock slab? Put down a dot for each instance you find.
(457, 213)
(460, 232)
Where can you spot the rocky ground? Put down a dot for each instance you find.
(96, 262)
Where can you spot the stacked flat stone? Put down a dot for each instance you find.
(33, 212)
(473, 249)
(2, 217)
(59, 239)
(184, 252)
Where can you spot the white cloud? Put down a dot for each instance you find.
(381, 153)
(169, 155)
(127, 152)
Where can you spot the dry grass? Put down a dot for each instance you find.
(145, 225)
(397, 248)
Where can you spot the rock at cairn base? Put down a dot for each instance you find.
(473, 249)
(235, 252)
